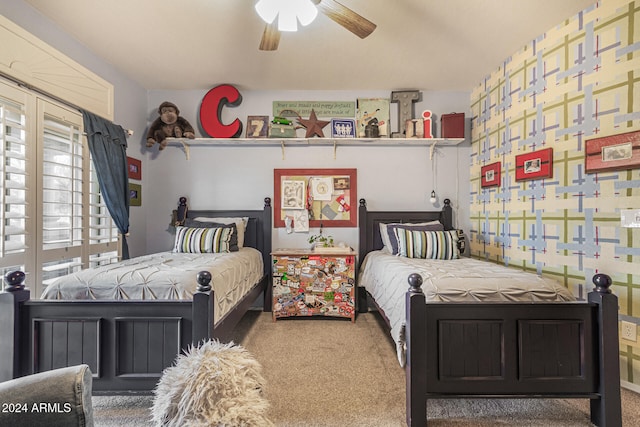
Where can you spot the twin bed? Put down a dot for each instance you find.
(468, 328)
(462, 327)
(128, 321)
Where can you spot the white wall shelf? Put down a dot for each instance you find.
(187, 143)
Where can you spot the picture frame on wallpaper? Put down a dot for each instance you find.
(257, 126)
(612, 153)
(134, 168)
(135, 194)
(534, 165)
(490, 175)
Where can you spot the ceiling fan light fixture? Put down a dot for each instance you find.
(306, 12)
(288, 12)
(268, 10)
(287, 20)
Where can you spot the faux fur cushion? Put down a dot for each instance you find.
(214, 384)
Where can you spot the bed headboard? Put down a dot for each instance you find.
(369, 223)
(258, 232)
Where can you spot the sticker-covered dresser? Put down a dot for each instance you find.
(310, 283)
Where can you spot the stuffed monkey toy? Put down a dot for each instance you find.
(168, 125)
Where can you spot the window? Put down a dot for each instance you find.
(14, 157)
(62, 173)
(54, 220)
(14, 176)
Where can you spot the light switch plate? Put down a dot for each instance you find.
(630, 218)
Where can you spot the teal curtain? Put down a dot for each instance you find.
(108, 147)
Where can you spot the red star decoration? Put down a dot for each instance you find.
(313, 125)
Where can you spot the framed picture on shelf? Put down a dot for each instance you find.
(343, 128)
(534, 165)
(490, 175)
(611, 153)
(372, 113)
(257, 126)
(134, 166)
(135, 194)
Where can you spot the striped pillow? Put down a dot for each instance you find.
(428, 244)
(393, 240)
(233, 243)
(202, 240)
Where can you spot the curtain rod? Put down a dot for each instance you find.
(20, 83)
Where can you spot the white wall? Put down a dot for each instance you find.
(390, 178)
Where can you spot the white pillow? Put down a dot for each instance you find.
(385, 235)
(241, 224)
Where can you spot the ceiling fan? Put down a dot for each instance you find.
(270, 9)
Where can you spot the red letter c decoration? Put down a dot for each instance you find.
(211, 111)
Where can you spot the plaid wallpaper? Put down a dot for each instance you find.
(578, 81)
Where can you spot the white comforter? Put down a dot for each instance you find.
(465, 279)
(165, 276)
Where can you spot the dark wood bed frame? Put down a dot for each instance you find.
(503, 350)
(128, 344)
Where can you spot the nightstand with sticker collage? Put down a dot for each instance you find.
(308, 283)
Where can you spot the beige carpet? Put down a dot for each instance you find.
(331, 372)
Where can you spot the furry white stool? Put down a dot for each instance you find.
(214, 384)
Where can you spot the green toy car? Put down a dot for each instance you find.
(280, 121)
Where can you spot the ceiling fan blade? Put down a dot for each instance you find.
(346, 17)
(270, 37)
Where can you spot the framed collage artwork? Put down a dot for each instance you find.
(320, 196)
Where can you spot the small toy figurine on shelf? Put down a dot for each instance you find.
(372, 130)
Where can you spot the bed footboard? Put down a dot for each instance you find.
(542, 350)
(126, 345)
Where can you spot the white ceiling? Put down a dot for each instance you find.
(197, 44)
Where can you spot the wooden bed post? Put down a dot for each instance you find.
(606, 410)
(416, 343)
(266, 255)
(202, 326)
(11, 302)
(362, 220)
(361, 295)
(447, 215)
